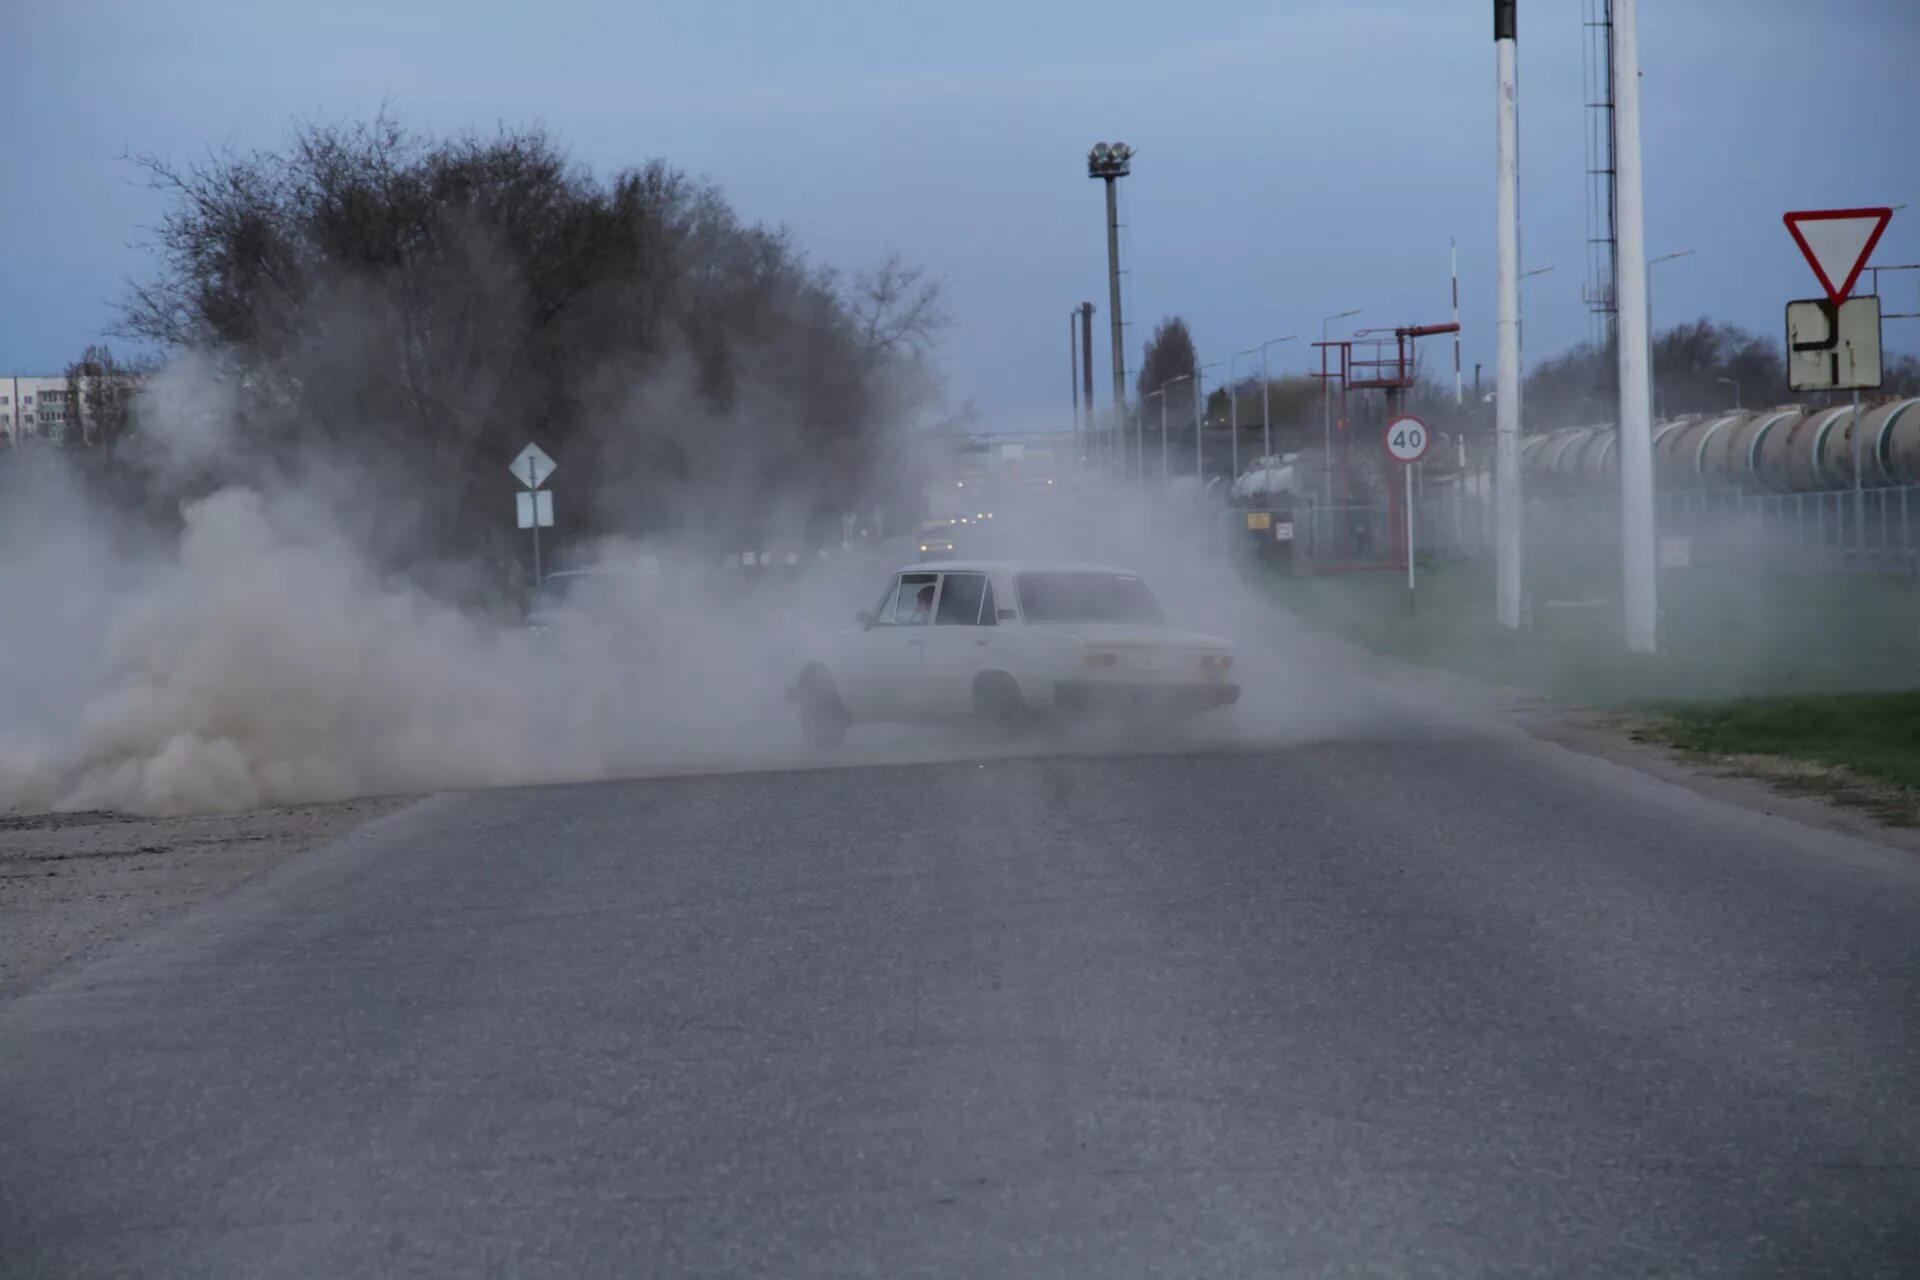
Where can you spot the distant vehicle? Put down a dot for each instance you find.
(599, 597)
(1011, 643)
(937, 539)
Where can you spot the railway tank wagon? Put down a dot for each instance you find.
(1784, 449)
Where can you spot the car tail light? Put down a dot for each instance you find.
(1216, 661)
(1100, 660)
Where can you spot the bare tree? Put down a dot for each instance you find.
(427, 305)
(897, 311)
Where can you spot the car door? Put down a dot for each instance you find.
(882, 681)
(958, 645)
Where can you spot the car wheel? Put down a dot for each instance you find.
(823, 720)
(997, 702)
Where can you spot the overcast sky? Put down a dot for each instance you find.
(1296, 159)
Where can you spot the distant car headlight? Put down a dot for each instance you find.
(1216, 661)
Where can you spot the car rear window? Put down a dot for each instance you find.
(1085, 596)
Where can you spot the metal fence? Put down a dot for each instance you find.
(1842, 531)
(1839, 531)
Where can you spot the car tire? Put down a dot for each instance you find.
(823, 719)
(997, 703)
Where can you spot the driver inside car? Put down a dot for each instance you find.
(922, 608)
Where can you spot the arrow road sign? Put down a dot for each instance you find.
(1833, 348)
(1837, 243)
(531, 466)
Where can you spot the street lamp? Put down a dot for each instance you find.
(1185, 377)
(1520, 317)
(1161, 394)
(1200, 394)
(1110, 162)
(1736, 391)
(1326, 402)
(1266, 398)
(1653, 370)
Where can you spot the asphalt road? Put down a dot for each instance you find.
(1423, 999)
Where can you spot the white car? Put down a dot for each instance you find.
(1010, 643)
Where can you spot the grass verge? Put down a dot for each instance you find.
(1808, 681)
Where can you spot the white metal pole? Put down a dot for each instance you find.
(1164, 473)
(1506, 492)
(1859, 485)
(1636, 389)
(1199, 466)
(1266, 408)
(1233, 413)
(1407, 467)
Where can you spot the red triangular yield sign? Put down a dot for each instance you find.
(1837, 243)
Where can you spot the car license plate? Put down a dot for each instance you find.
(1148, 661)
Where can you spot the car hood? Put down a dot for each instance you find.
(1135, 636)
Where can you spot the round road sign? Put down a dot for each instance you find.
(1407, 439)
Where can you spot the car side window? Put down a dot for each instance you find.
(911, 602)
(960, 598)
(883, 616)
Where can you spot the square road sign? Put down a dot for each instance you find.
(1833, 348)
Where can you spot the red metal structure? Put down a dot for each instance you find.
(1374, 360)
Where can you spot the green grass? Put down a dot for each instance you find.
(1724, 633)
(1816, 669)
(1873, 735)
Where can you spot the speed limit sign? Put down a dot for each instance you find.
(1407, 439)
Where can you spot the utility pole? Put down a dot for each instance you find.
(1636, 348)
(1266, 400)
(1233, 411)
(1506, 427)
(1110, 163)
(1086, 366)
(1073, 366)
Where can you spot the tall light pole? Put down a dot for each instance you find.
(1073, 366)
(1636, 392)
(1653, 369)
(1520, 336)
(1110, 163)
(1326, 403)
(1185, 377)
(1233, 410)
(1266, 398)
(1506, 419)
(1200, 391)
(1161, 394)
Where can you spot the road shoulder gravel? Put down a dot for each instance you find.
(72, 882)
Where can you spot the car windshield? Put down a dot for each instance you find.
(1086, 596)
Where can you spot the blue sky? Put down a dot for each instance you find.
(1296, 159)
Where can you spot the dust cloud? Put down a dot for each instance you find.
(262, 656)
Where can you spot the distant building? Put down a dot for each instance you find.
(49, 409)
(35, 406)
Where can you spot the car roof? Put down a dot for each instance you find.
(1014, 566)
